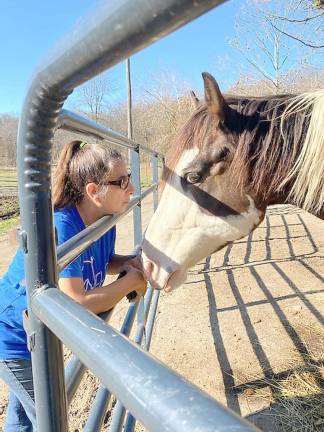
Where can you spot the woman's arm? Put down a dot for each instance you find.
(103, 298)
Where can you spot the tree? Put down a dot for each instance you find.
(267, 50)
(166, 103)
(8, 134)
(304, 25)
(92, 98)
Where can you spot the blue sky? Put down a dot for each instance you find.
(28, 29)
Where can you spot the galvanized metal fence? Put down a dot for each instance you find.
(159, 398)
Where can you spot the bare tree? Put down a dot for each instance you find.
(304, 23)
(268, 51)
(8, 134)
(296, 81)
(161, 106)
(93, 98)
(165, 104)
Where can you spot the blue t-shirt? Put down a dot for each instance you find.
(91, 266)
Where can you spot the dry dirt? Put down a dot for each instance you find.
(248, 319)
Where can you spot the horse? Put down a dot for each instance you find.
(232, 158)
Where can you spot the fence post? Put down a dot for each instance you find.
(134, 161)
(155, 179)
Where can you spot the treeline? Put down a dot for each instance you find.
(156, 119)
(154, 124)
(279, 49)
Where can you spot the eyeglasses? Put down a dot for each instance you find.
(122, 182)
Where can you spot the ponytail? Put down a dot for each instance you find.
(80, 163)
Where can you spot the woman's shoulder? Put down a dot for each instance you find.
(68, 215)
(67, 222)
(65, 212)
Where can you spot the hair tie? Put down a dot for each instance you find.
(82, 144)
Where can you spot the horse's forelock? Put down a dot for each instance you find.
(192, 134)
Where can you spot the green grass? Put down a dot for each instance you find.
(8, 181)
(8, 174)
(7, 224)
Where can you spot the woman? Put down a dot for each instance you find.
(91, 180)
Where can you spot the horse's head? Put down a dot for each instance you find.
(201, 208)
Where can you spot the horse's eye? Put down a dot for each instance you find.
(193, 177)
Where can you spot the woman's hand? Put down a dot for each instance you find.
(136, 281)
(134, 262)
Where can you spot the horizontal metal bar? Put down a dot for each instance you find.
(74, 122)
(114, 31)
(72, 248)
(75, 370)
(159, 398)
(119, 410)
(99, 407)
(150, 319)
(111, 33)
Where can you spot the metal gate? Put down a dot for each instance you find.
(159, 398)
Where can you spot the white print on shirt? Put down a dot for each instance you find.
(97, 278)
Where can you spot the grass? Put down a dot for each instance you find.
(297, 401)
(7, 224)
(8, 181)
(8, 174)
(301, 399)
(9, 207)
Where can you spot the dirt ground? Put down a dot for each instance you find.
(247, 327)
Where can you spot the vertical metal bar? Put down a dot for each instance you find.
(119, 410)
(130, 423)
(134, 160)
(37, 241)
(74, 372)
(118, 418)
(99, 407)
(98, 410)
(130, 420)
(129, 101)
(151, 318)
(155, 179)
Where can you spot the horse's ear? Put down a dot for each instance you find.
(194, 99)
(214, 99)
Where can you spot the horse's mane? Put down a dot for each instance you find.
(280, 145)
(308, 169)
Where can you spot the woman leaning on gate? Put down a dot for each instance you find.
(91, 180)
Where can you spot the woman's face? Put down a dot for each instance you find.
(112, 197)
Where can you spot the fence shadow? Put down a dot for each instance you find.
(276, 266)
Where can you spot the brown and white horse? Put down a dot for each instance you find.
(233, 158)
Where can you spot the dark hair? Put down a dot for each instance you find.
(81, 163)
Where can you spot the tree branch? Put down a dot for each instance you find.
(257, 67)
(281, 18)
(298, 39)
